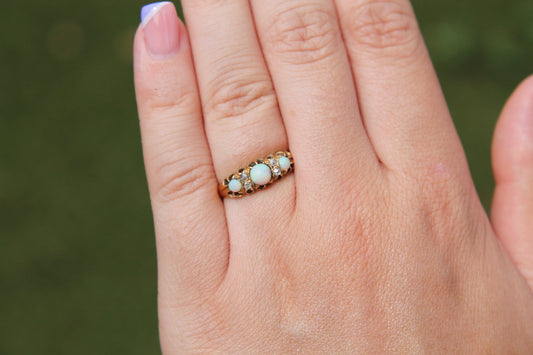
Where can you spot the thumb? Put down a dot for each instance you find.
(512, 161)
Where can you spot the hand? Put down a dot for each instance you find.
(378, 242)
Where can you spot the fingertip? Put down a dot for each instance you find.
(161, 27)
(512, 148)
(519, 106)
(150, 10)
(162, 78)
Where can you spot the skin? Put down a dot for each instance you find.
(378, 242)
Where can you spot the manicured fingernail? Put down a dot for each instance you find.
(161, 28)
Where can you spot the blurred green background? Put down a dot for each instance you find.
(77, 266)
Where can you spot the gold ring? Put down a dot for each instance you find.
(257, 175)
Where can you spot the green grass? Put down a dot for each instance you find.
(78, 269)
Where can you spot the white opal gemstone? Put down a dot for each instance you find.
(260, 174)
(284, 163)
(235, 185)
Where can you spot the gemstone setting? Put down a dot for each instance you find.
(284, 163)
(235, 185)
(257, 175)
(260, 174)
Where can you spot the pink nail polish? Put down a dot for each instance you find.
(161, 29)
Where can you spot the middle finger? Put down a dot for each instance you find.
(310, 70)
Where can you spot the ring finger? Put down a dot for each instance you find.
(240, 109)
(242, 119)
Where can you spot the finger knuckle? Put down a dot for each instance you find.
(234, 95)
(178, 179)
(162, 106)
(385, 25)
(445, 200)
(303, 34)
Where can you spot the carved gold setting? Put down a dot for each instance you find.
(278, 169)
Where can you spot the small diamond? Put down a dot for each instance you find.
(247, 185)
(276, 171)
(272, 162)
(243, 176)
